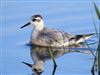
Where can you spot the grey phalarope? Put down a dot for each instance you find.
(45, 37)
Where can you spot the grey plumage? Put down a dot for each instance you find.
(54, 38)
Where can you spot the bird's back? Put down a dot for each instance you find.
(52, 38)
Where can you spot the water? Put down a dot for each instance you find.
(72, 17)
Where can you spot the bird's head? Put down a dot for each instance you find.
(36, 21)
(37, 68)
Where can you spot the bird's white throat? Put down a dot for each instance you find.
(38, 27)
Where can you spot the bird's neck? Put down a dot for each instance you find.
(37, 30)
(39, 27)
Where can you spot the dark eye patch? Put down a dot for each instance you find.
(38, 20)
(33, 19)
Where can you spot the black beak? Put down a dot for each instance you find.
(30, 65)
(25, 25)
(39, 73)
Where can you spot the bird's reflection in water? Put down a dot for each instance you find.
(41, 54)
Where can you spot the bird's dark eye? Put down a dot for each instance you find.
(33, 19)
(38, 20)
(35, 69)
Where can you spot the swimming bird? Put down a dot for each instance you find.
(46, 37)
(43, 36)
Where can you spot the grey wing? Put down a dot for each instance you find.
(54, 38)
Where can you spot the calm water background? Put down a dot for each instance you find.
(74, 17)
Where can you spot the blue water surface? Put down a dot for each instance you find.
(74, 17)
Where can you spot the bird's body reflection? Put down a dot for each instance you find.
(43, 54)
(40, 54)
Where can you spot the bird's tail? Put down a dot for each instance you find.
(82, 38)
